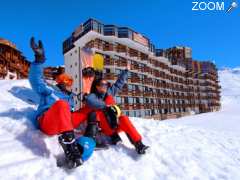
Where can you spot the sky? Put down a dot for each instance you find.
(212, 35)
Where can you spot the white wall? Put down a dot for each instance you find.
(72, 67)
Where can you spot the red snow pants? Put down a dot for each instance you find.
(58, 118)
(125, 124)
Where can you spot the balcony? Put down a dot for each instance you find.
(98, 44)
(109, 61)
(108, 47)
(137, 93)
(147, 106)
(148, 81)
(124, 92)
(147, 94)
(110, 76)
(3, 70)
(14, 65)
(133, 52)
(135, 66)
(121, 62)
(121, 48)
(128, 106)
(143, 57)
(135, 79)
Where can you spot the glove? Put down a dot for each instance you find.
(112, 114)
(115, 109)
(38, 51)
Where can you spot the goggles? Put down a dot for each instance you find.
(64, 79)
(88, 72)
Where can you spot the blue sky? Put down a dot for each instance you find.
(212, 35)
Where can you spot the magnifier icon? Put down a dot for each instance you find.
(232, 6)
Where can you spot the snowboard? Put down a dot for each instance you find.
(91, 65)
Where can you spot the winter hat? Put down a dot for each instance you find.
(64, 79)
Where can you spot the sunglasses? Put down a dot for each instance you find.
(104, 85)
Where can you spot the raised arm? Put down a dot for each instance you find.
(36, 69)
(118, 85)
(36, 79)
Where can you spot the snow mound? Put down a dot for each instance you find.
(230, 82)
(205, 146)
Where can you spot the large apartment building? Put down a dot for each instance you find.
(51, 72)
(162, 83)
(13, 65)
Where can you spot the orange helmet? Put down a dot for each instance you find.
(64, 79)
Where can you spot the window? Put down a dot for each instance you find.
(109, 30)
(96, 26)
(130, 100)
(107, 70)
(130, 87)
(119, 100)
(125, 33)
(88, 25)
(117, 71)
(126, 100)
(137, 100)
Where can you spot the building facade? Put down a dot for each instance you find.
(13, 65)
(51, 72)
(162, 83)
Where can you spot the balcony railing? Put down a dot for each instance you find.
(121, 48)
(108, 47)
(109, 61)
(110, 76)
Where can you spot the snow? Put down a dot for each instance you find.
(204, 146)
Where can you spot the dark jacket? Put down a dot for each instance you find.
(96, 101)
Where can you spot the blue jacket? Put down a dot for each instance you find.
(48, 94)
(96, 101)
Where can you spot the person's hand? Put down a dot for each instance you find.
(38, 50)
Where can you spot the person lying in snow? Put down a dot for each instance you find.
(55, 115)
(107, 114)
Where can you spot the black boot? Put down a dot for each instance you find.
(140, 147)
(92, 130)
(115, 139)
(71, 148)
(92, 126)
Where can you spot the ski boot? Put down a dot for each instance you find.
(92, 130)
(72, 150)
(115, 139)
(140, 147)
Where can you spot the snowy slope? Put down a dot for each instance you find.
(205, 146)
